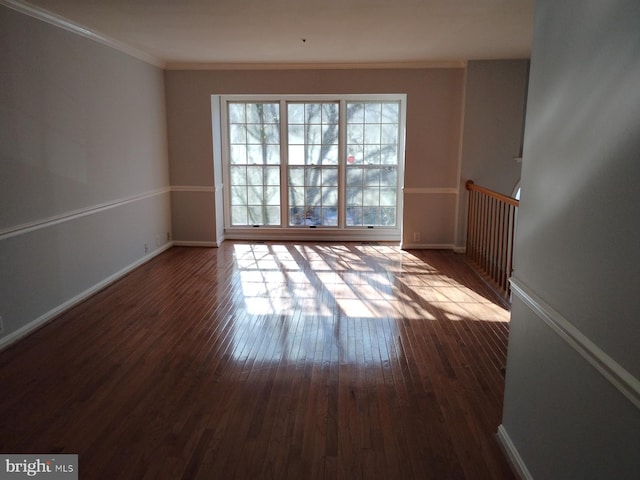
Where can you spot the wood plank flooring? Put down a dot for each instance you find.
(269, 361)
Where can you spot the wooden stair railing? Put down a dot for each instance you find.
(491, 223)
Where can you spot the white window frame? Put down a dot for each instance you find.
(285, 232)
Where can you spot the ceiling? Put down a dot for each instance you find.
(213, 32)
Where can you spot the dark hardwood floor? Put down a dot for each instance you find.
(269, 360)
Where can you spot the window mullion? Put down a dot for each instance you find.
(284, 164)
(342, 171)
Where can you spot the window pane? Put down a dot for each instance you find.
(256, 154)
(239, 215)
(372, 113)
(388, 216)
(388, 177)
(296, 154)
(371, 197)
(272, 196)
(388, 196)
(254, 113)
(255, 215)
(238, 175)
(389, 155)
(272, 175)
(296, 196)
(296, 176)
(372, 177)
(236, 113)
(313, 177)
(355, 155)
(330, 134)
(330, 156)
(255, 195)
(355, 112)
(354, 196)
(238, 154)
(330, 216)
(355, 134)
(255, 134)
(330, 197)
(254, 138)
(273, 215)
(389, 135)
(296, 113)
(314, 156)
(372, 154)
(354, 176)
(314, 134)
(330, 176)
(371, 216)
(272, 134)
(312, 112)
(391, 113)
(330, 113)
(354, 216)
(312, 196)
(296, 134)
(237, 134)
(372, 133)
(238, 195)
(273, 154)
(254, 175)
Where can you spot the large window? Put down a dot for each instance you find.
(294, 163)
(254, 163)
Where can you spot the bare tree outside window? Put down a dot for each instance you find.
(254, 141)
(313, 163)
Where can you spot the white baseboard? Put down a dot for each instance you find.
(53, 313)
(519, 467)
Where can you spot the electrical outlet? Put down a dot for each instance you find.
(416, 236)
(168, 236)
(146, 248)
(1, 325)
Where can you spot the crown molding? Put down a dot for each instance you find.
(70, 26)
(315, 66)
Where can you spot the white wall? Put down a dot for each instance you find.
(572, 399)
(84, 180)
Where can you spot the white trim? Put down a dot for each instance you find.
(59, 21)
(284, 231)
(193, 188)
(314, 66)
(617, 375)
(313, 235)
(520, 469)
(430, 190)
(75, 214)
(53, 313)
(187, 243)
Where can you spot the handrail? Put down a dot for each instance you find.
(498, 196)
(491, 223)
